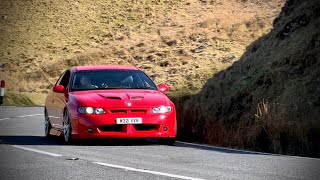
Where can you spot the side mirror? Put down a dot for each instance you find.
(58, 89)
(163, 88)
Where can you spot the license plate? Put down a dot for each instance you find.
(129, 120)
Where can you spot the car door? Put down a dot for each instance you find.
(50, 105)
(59, 102)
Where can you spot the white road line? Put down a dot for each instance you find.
(30, 115)
(146, 171)
(244, 151)
(4, 119)
(37, 151)
(221, 148)
(54, 117)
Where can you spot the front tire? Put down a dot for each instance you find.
(167, 141)
(67, 129)
(47, 124)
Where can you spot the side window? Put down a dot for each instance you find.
(64, 79)
(58, 81)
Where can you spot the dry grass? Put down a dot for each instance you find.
(268, 100)
(23, 99)
(180, 42)
(274, 133)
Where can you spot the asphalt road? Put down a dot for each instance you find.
(27, 154)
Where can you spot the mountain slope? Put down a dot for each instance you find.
(181, 42)
(269, 100)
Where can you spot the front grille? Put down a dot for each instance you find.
(111, 128)
(125, 111)
(118, 111)
(138, 111)
(145, 127)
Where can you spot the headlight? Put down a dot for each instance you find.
(161, 109)
(90, 110)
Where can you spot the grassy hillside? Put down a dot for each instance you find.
(263, 88)
(269, 100)
(180, 42)
(23, 99)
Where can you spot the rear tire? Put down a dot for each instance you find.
(167, 141)
(67, 129)
(47, 124)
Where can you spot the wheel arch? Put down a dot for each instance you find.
(65, 109)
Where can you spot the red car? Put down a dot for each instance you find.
(109, 102)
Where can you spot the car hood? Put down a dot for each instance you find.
(120, 98)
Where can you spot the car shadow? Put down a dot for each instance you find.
(58, 141)
(30, 140)
(42, 140)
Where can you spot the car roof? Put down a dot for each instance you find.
(105, 67)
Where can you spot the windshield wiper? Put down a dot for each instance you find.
(102, 88)
(142, 87)
(118, 87)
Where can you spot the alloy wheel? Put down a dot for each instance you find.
(66, 127)
(47, 124)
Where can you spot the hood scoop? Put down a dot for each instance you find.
(111, 97)
(136, 97)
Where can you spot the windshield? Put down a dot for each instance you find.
(111, 79)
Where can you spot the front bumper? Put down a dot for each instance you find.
(105, 126)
